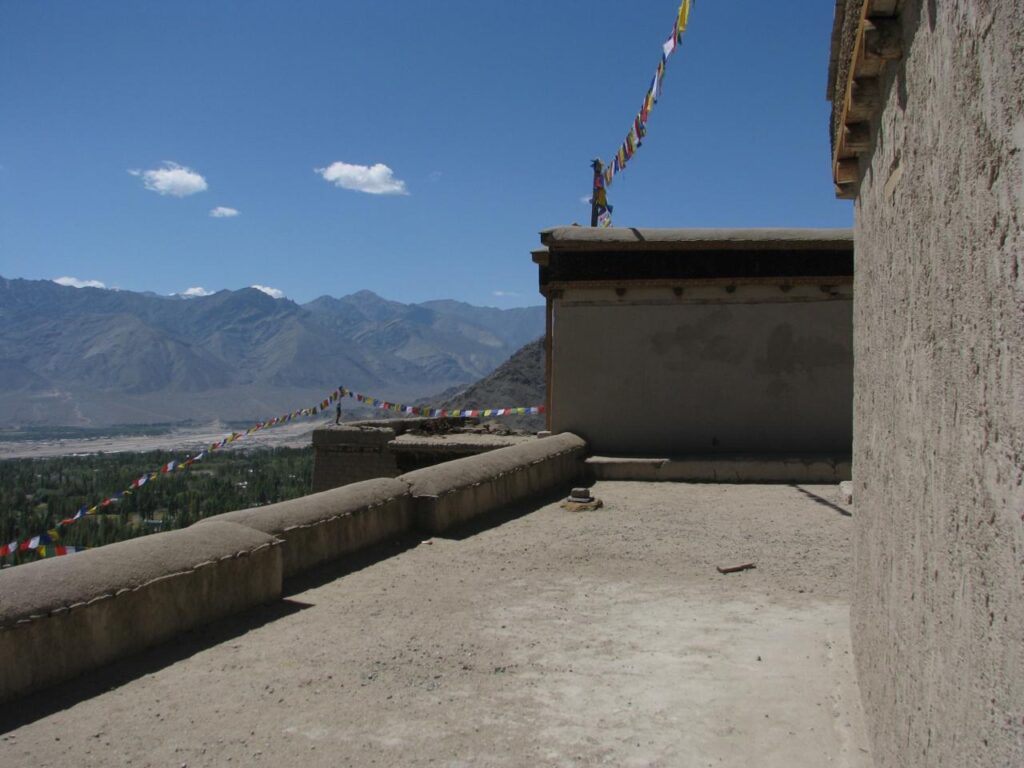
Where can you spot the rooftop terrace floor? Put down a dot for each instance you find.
(550, 638)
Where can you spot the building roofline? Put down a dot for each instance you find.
(837, 39)
(632, 238)
(867, 38)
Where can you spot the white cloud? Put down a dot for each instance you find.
(507, 294)
(197, 290)
(585, 199)
(172, 179)
(223, 212)
(274, 293)
(373, 179)
(74, 282)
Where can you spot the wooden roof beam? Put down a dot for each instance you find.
(848, 172)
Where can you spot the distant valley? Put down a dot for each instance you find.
(96, 357)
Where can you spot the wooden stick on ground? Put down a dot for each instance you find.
(735, 568)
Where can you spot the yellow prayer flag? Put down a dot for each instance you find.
(683, 17)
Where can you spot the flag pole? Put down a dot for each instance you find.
(598, 167)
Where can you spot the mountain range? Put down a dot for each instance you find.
(95, 357)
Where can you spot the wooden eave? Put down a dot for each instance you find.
(557, 288)
(878, 42)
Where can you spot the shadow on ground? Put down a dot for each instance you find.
(823, 501)
(65, 695)
(357, 561)
(94, 682)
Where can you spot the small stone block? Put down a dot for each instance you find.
(846, 492)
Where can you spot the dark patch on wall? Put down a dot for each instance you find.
(703, 341)
(778, 389)
(724, 349)
(786, 353)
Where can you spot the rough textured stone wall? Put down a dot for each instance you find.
(939, 395)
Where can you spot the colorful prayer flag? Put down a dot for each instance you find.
(639, 127)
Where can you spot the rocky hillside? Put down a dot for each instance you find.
(517, 381)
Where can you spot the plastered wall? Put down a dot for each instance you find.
(938, 616)
(755, 370)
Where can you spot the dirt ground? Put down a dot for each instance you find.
(541, 637)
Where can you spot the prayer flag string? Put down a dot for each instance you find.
(419, 410)
(604, 176)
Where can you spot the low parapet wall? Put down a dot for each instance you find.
(62, 617)
(451, 493)
(325, 526)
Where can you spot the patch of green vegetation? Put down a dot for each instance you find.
(35, 494)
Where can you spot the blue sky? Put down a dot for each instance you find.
(485, 114)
